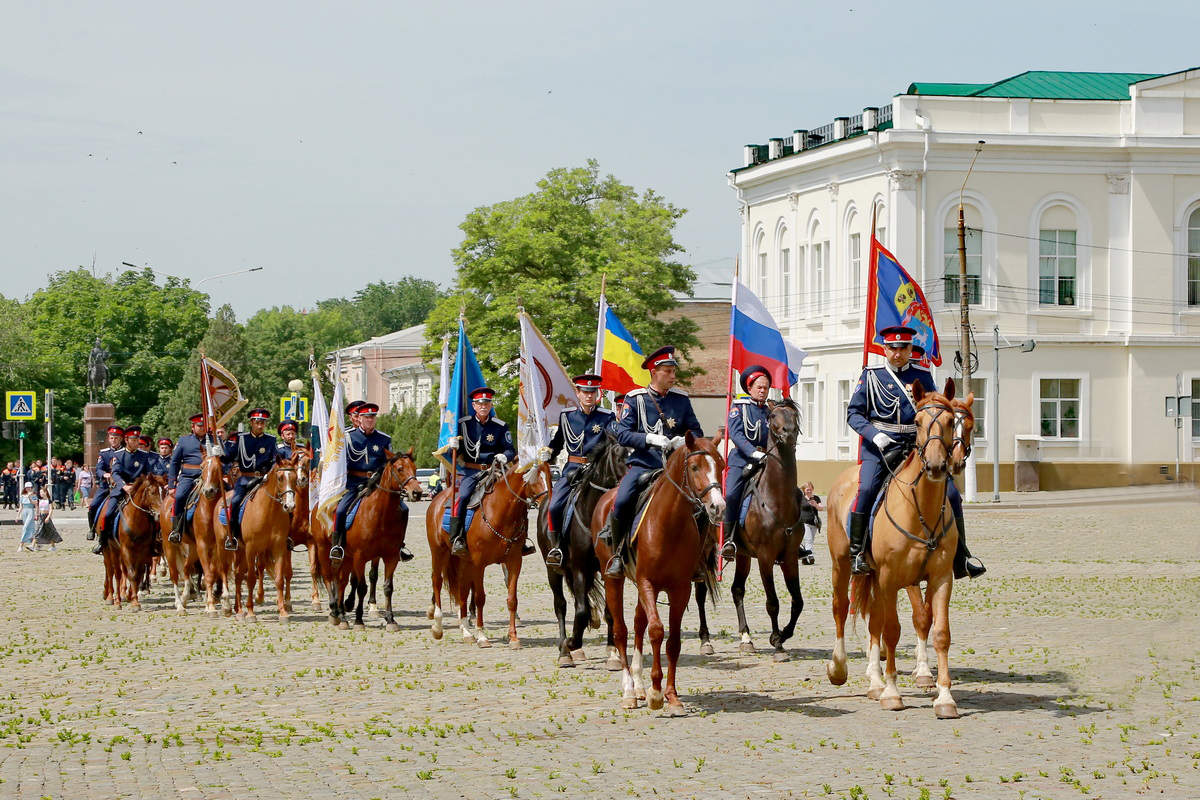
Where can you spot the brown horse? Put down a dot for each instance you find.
(668, 546)
(378, 532)
(215, 561)
(496, 536)
(771, 534)
(182, 560)
(913, 540)
(136, 527)
(265, 528)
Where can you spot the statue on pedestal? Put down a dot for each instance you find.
(97, 372)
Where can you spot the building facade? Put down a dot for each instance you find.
(1083, 216)
(386, 370)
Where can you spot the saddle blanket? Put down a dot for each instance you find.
(241, 514)
(446, 519)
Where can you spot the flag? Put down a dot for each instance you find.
(466, 378)
(894, 298)
(545, 391)
(618, 357)
(444, 373)
(333, 454)
(221, 392)
(755, 339)
(320, 425)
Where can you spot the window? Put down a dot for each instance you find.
(974, 241)
(820, 272)
(1060, 404)
(785, 277)
(762, 276)
(1056, 268)
(809, 411)
(855, 271)
(1193, 266)
(801, 254)
(1196, 409)
(844, 431)
(979, 408)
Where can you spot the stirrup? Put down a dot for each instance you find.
(337, 553)
(459, 547)
(859, 565)
(405, 554)
(231, 543)
(972, 568)
(729, 551)
(554, 558)
(605, 535)
(615, 568)
(175, 536)
(98, 549)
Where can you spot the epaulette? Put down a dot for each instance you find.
(741, 401)
(921, 367)
(635, 393)
(387, 436)
(604, 410)
(568, 410)
(466, 418)
(673, 390)
(502, 422)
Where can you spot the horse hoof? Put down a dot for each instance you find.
(227, 612)
(746, 647)
(212, 614)
(578, 656)
(343, 625)
(781, 657)
(891, 703)
(836, 676)
(181, 612)
(252, 619)
(436, 630)
(514, 644)
(284, 619)
(674, 710)
(373, 611)
(288, 608)
(875, 694)
(391, 627)
(484, 643)
(359, 626)
(613, 665)
(566, 661)
(629, 703)
(429, 612)
(924, 681)
(317, 606)
(655, 700)
(946, 711)
(707, 649)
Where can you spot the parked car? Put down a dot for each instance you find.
(430, 479)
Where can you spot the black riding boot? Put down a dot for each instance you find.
(965, 564)
(458, 538)
(616, 532)
(338, 550)
(557, 553)
(176, 534)
(99, 548)
(730, 548)
(235, 532)
(858, 540)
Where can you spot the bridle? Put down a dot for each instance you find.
(772, 451)
(280, 497)
(960, 427)
(403, 491)
(934, 535)
(695, 498)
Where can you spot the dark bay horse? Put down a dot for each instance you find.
(668, 546)
(496, 536)
(605, 467)
(913, 540)
(265, 528)
(136, 529)
(772, 533)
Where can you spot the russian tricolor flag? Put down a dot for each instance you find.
(755, 339)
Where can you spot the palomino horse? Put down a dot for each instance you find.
(378, 532)
(605, 467)
(913, 540)
(181, 560)
(136, 527)
(496, 536)
(668, 547)
(265, 528)
(771, 534)
(215, 560)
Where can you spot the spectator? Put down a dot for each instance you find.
(44, 531)
(8, 485)
(28, 516)
(37, 476)
(810, 508)
(83, 482)
(67, 484)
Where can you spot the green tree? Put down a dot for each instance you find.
(382, 307)
(547, 251)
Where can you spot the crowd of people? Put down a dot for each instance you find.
(64, 482)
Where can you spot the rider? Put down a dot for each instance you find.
(253, 454)
(116, 439)
(125, 466)
(653, 421)
(483, 439)
(287, 432)
(882, 412)
(185, 471)
(158, 461)
(367, 452)
(747, 426)
(579, 430)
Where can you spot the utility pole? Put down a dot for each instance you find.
(964, 313)
(49, 424)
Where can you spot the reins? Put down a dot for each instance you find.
(933, 537)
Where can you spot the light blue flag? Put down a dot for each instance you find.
(466, 378)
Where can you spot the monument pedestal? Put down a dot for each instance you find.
(96, 419)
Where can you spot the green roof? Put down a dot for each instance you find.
(1044, 86)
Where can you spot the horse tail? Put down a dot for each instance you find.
(862, 590)
(451, 575)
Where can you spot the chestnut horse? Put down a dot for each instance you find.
(771, 534)
(668, 547)
(378, 532)
(496, 536)
(265, 528)
(215, 561)
(913, 540)
(181, 560)
(136, 527)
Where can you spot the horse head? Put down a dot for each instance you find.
(783, 422)
(400, 471)
(964, 428)
(211, 477)
(146, 494)
(701, 465)
(286, 475)
(303, 457)
(537, 483)
(606, 462)
(935, 420)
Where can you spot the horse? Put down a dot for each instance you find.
(377, 533)
(496, 536)
(215, 561)
(913, 540)
(181, 560)
(605, 467)
(136, 525)
(771, 534)
(664, 552)
(265, 528)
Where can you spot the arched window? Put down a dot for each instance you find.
(759, 281)
(1193, 259)
(818, 269)
(854, 264)
(785, 273)
(881, 223)
(1058, 258)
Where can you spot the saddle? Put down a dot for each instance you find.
(485, 485)
(251, 490)
(875, 506)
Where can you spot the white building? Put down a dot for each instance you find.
(387, 370)
(1084, 217)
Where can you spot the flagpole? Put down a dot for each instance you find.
(728, 405)
(206, 394)
(872, 289)
(462, 325)
(598, 362)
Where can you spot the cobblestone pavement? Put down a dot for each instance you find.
(1074, 663)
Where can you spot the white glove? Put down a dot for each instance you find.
(758, 455)
(676, 441)
(501, 459)
(882, 441)
(215, 451)
(455, 443)
(544, 454)
(657, 440)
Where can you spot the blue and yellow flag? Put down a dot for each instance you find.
(466, 378)
(894, 298)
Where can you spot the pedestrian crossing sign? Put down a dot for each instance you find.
(20, 405)
(287, 412)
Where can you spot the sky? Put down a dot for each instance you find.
(338, 144)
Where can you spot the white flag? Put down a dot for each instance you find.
(333, 452)
(320, 426)
(545, 392)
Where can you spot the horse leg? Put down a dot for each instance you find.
(648, 599)
(885, 605)
(639, 638)
(373, 604)
(791, 579)
(286, 558)
(251, 571)
(679, 597)
(389, 572)
(706, 648)
(514, 572)
(835, 670)
(560, 612)
(360, 591)
(922, 619)
(614, 601)
(944, 706)
(315, 575)
(481, 596)
(612, 661)
(583, 614)
(766, 571)
(435, 602)
(464, 601)
(738, 591)
(283, 557)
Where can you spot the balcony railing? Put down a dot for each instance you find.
(872, 119)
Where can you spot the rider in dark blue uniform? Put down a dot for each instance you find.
(652, 422)
(253, 454)
(116, 442)
(579, 431)
(882, 412)
(747, 431)
(287, 437)
(482, 439)
(184, 471)
(125, 466)
(158, 466)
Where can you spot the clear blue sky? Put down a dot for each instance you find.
(335, 144)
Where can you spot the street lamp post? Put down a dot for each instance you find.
(197, 284)
(1025, 347)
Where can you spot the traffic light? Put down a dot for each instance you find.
(21, 433)
(8, 430)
